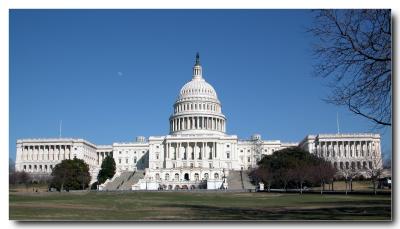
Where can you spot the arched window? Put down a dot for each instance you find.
(364, 165)
(157, 176)
(196, 176)
(216, 175)
(206, 176)
(167, 176)
(176, 176)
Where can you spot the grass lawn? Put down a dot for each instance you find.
(196, 206)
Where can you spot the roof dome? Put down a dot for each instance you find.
(197, 88)
(197, 109)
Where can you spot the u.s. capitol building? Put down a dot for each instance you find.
(197, 153)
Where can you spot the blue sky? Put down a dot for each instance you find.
(111, 75)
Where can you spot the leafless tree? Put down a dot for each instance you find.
(374, 171)
(300, 173)
(353, 49)
(349, 174)
(323, 172)
(266, 175)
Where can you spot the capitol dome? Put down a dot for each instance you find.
(198, 88)
(197, 109)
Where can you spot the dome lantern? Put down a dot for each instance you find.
(197, 70)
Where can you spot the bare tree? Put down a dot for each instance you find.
(266, 175)
(354, 50)
(300, 173)
(349, 174)
(323, 172)
(374, 171)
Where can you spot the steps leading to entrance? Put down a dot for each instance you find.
(239, 180)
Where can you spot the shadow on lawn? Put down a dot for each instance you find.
(348, 213)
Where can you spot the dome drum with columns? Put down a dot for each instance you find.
(197, 109)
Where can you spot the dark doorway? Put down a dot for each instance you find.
(186, 177)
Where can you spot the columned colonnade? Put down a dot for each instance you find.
(349, 154)
(191, 151)
(197, 123)
(35, 155)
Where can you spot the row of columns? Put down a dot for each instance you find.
(196, 107)
(197, 123)
(345, 148)
(46, 152)
(176, 154)
(353, 165)
(37, 168)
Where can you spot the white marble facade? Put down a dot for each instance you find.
(196, 150)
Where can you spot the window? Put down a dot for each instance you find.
(248, 151)
(205, 176)
(191, 165)
(126, 161)
(176, 176)
(248, 159)
(119, 161)
(157, 147)
(227, 146)
(210, 165)
(227, 155)
(157, 176)
(167, 176)
(134, 160)
(216, 175)
(157, 156)
(241, 151)
(120, 152)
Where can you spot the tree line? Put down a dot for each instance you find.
(294, 168)
(69, 174)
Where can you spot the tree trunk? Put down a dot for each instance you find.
(301, 187)
(321, 187)
(351, 185)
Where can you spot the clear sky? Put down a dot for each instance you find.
(111, 75)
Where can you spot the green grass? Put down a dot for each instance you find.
(196, 206)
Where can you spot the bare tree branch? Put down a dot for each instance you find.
(353, 49)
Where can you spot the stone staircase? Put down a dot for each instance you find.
(234, 180)
(239, 180)
(132, 179)
(118, 181)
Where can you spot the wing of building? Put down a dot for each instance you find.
(197, 152)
